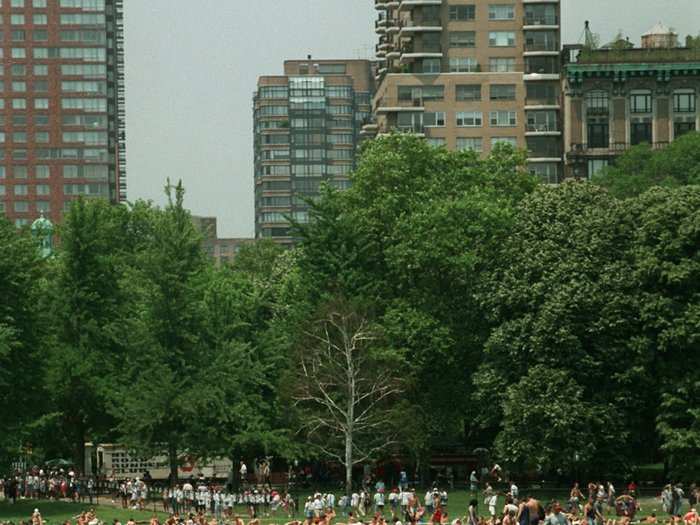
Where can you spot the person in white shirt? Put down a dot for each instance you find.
(379, 502)
(243, 471)
(514, 491)
(355, 503)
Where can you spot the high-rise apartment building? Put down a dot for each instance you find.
(471, 73)
(61, 105)
(307, 130)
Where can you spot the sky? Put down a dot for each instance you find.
(192, 67)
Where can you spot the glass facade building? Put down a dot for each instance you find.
(307, 131)
(61, 106)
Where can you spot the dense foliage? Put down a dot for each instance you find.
(553, 325)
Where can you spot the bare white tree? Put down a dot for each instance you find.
(346, 385)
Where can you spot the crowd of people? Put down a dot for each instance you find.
(202, 502)
(48, 484)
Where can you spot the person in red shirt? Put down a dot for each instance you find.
(691, 517)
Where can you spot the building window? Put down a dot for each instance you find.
(462, 39)
(462, 13)
(470, 144)
(431, 65)
(40, 19)
(21, 190)
(331, 69)
(502, 65)
(19, 137)
(21, 206)
(42, 137)
(595, 166)
(469, 119)
(17, 20)
(547, 172)
(435, 142)
(42, 172)
(597, 103)
(18, 70)
(598, 132)
(502, 91)
(513, 141)
(542, 121)
(469, 92)
(40, 35)
(41, 70)
(19, 52)
(503, 119)
(641, 133)
(640, 102)
(537, 15)
(43, 206)
(16, 3)
(681, 128)
(18, 35)
(41, 103)
(502, 39)
(684, 102)
(463, 65)
(434, 119)
(421, 93)
(19, 86)
(501, 12)
(39, 4)
(43, 189)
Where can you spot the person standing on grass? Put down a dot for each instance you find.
(473, 482)
(678, 495)
(591, 513)
(379, 502)
(473, 513)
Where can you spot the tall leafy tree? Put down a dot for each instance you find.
(88, 311)
(23, 336)
(413, 235)
(667, 272)
(563, 299)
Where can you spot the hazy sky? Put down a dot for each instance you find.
(192, 66)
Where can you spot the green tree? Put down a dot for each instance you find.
(87, 316)
(563, 298)
(23, 336)
(642, 168)
(548, 423)
(162, 384)
(413, 235)
(667, 273)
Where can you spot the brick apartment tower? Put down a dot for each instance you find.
(307, 130)
(62, 112)
(471, 73)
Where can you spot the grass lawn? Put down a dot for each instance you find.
(56, 513)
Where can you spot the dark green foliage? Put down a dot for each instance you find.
(642, 168)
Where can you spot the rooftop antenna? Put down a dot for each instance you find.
(590, 39)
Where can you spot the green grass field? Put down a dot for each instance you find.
(56, 513)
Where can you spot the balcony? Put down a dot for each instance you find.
(535, 21)
(380, 4)
(420, 26)
(614, 148)
(410, 4)
(380, 25)
(415, 51)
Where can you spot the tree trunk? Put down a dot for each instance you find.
(348, 464)
(172, 458)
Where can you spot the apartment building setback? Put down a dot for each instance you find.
(469, 74)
